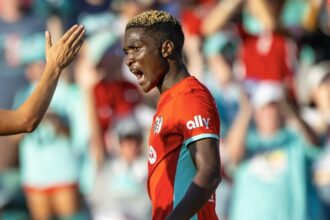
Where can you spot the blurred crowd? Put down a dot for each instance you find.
(266, 62)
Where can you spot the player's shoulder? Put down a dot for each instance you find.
(194, 91)
(193, 82)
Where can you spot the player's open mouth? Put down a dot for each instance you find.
(139, 75)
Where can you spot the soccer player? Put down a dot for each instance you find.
(27, 117)
(184, 160)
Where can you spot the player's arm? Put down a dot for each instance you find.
(27, 117)
(206, 157)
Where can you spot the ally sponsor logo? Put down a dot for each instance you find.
(198, 122)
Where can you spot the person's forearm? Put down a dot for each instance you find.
(219, 16)
(197, 195)
(235, 139)
(58, 56)
(311, 16)
(263, 12)
(34, 108)
(97, 142)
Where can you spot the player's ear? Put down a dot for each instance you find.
(167, 48)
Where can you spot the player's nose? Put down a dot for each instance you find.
(129, 60)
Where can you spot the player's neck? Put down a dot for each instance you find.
(175, 74)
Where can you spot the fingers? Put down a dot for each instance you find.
(62, 53)
(76, 49)
(48, 40)
(72, 53)
(76, 36)
(78, 40)
(67, 35)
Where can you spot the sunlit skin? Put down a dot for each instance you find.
(151, 62)
(58, 56)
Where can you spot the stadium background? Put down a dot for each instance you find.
(92, 141)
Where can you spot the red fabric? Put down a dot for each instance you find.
(186, 111)
(273, 65)
(115, 99)
(207, 2)
(192, 17)
(191, 22)
(50, 190)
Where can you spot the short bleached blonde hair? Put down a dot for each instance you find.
(151, 18)
(161, 25)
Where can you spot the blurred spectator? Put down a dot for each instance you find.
(49, 8)
(322, 181)
(229, 44)
(11, 196)
(314, 45)
(265, 54)
(120, 192)
(271, 160)
(76, 111)
(95, 16)
(109, 95)
(317, 98)
(48, 161)
(127, 9)
(171, 6)
(115, 97)
(317, 115)
(20, 35)
(92, 6)
(293, 16)
(191, 16)
(219, 51)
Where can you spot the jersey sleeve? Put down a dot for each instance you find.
(197, 116)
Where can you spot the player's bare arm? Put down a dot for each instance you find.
(206, 157)
(58, 56)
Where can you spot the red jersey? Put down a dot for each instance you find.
(185, 113)
(275, 65)
(115, 99)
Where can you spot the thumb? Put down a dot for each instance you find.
(48, 40)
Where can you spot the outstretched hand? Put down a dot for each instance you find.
(62, 53)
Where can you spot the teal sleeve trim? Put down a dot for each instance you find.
(199, 137)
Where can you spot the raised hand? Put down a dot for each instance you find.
(62, 53)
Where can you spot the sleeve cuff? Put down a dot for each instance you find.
(199, 137)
